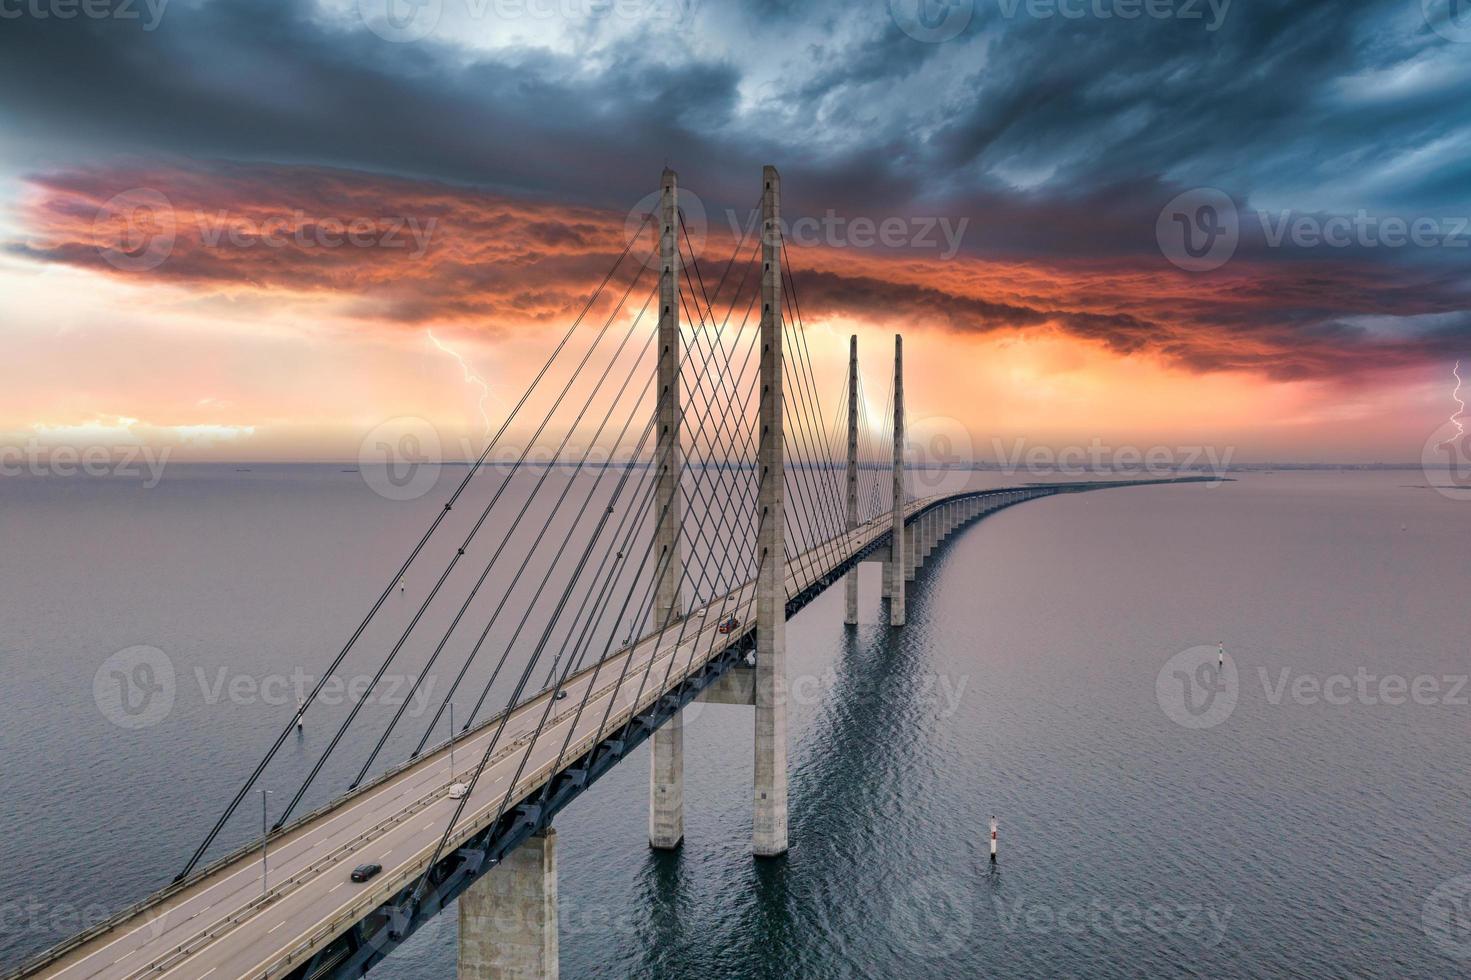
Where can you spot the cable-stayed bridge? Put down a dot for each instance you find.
(697, 495)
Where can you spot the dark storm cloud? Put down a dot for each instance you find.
(1060, 137)
(1095, 119)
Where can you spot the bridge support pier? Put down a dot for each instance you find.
(769, 815)
(508, 919)
(850, 583)
(895, 569)
(666, 772)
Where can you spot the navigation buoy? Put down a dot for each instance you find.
(300, 713)
(993, 839)
(1221, 657)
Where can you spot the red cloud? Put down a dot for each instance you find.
(413, 251)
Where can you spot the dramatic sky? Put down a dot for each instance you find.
(1179, 222)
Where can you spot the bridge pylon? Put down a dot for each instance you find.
(769, 823)
(666, 772)
(850, 581)
(895, 570)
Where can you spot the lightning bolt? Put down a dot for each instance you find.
(1460, 408)
(471, 378)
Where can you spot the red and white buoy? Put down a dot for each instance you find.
(993, 839)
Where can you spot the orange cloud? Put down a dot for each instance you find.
(391, 250)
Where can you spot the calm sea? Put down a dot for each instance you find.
(1302, 812)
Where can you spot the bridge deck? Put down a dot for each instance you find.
(219, 925)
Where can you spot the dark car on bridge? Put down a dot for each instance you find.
(365, 871)
(729, 624)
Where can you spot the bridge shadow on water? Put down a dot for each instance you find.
(865, 755)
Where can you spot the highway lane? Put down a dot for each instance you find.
(222, 925)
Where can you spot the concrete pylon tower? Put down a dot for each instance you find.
(769, 825)
(666, 774)
(897, 556)
(850, 585)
